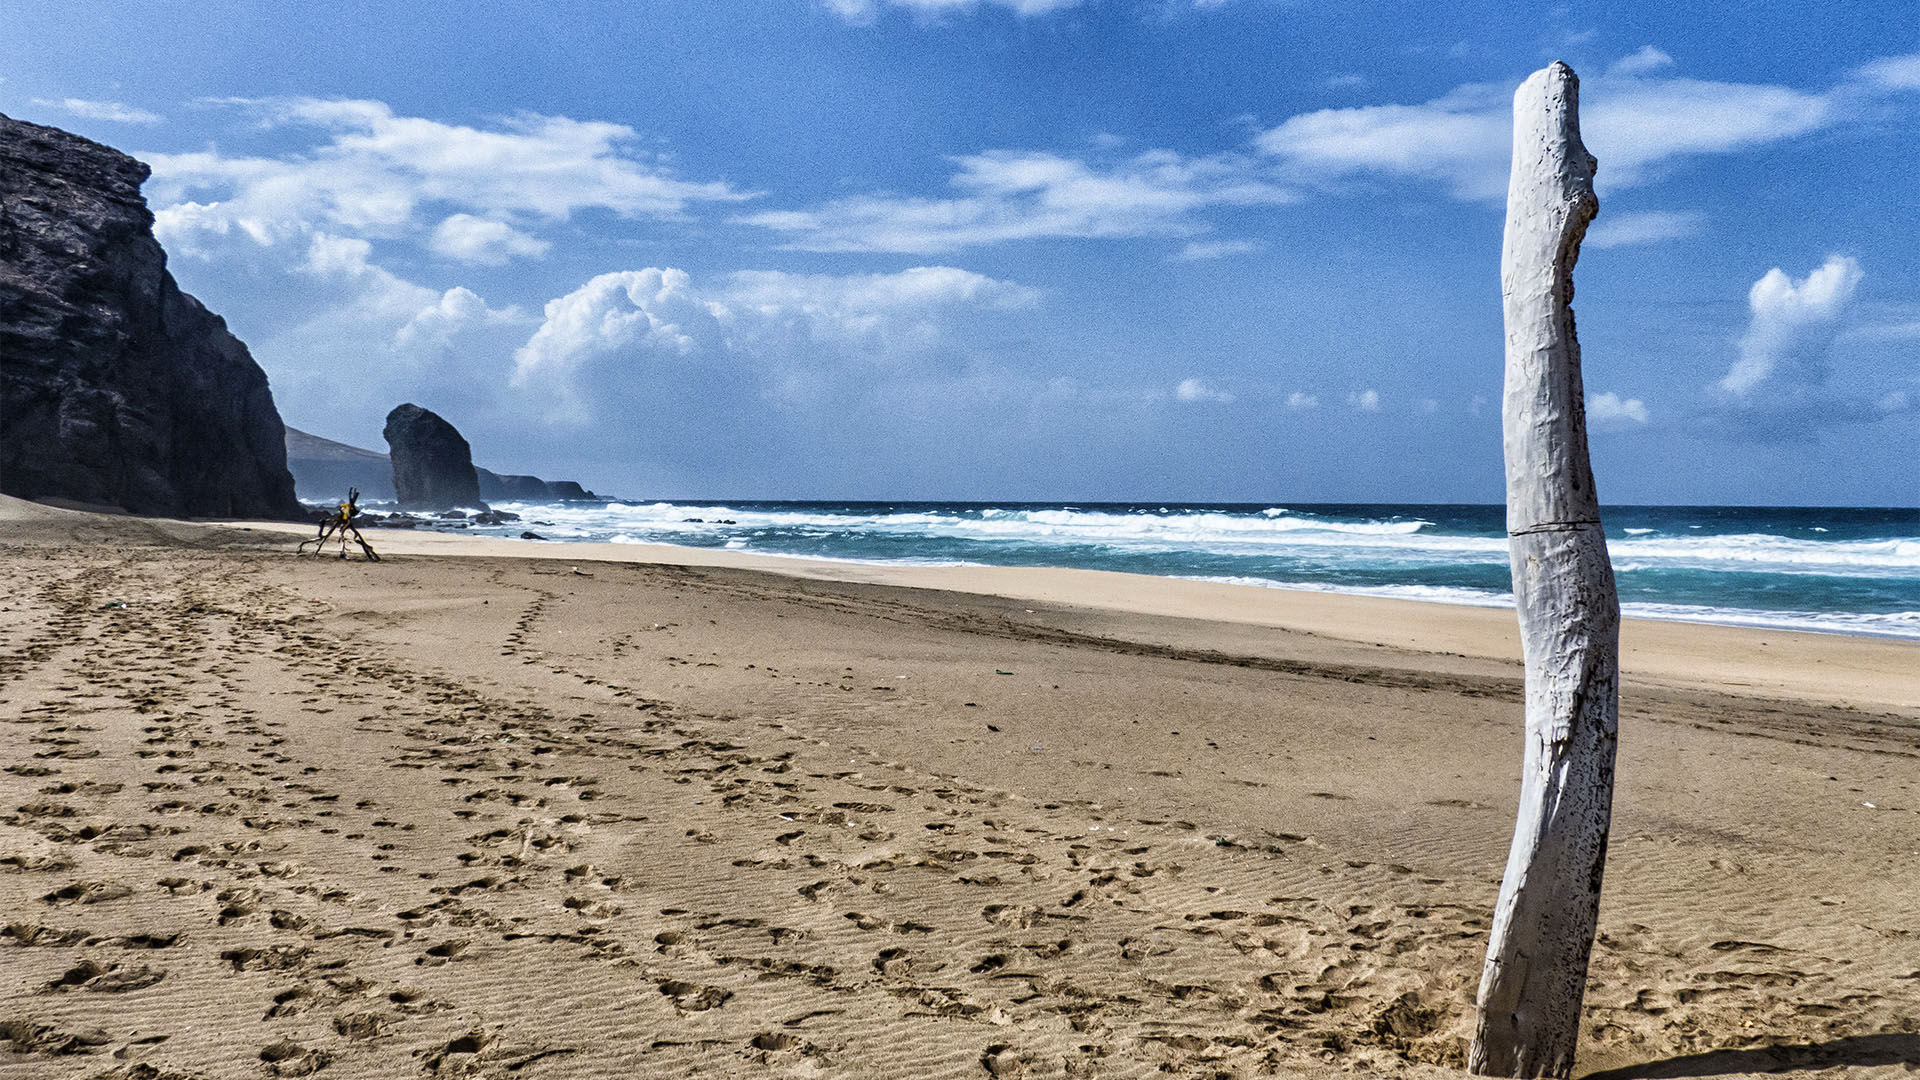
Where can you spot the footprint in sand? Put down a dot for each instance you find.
(106, 978)
(693, 997)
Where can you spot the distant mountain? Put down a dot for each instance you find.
(323, 470)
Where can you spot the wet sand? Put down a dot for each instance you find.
(467, 812)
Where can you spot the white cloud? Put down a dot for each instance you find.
(1460, 139)
(1348, 82)
(1193, 390)
(1302, 400)
(863, 11)
(436, 325)
(1611, 410)
(1780, 386)
(785, 323)
(374, 172)
(482, 241)
(1429, 406)
(1365, 400)
(1644, 62)
(111, 111)
(1637, 227)
(376, 304)
(1634, 122)
(1199, 250)
(1020, 195)
(1893, 72)
(1792, 326)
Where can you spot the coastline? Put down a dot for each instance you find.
(1856, 671)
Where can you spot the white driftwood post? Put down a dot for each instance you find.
(1543, 926)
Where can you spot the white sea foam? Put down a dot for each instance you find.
(1289, 548)
(1900, 624)
(1275, 531)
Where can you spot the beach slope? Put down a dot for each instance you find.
(597, 816)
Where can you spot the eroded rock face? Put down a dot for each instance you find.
(432, 463)
(117, 388)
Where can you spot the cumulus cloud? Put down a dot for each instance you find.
(1780, 385)
(1008, 195)
(1300, 399)
(1196, 390)
(783, 323)
(376, 304)
(1637, 227)
(110, 111)
(1365, 400)
(1792, 327)
(1610, 410)
(483, 241)
(436, 325)
(373, 172)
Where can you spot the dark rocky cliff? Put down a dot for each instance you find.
(116, 388)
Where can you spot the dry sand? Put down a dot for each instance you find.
(596, 817)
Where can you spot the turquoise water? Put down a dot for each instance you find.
(1845, 570)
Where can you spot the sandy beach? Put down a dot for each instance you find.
(520, 810)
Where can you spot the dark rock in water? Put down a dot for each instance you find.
(116, 387)
(531, 536)
(432, 463)
(452, 515)
(324, 469)
(495, 517)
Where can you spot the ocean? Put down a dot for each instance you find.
(1829, 569)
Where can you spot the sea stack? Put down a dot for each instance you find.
(118, 389)
(432, 463)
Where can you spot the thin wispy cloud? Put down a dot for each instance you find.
(1633, 228)
(1193, 390)
(865, 11)
(1637, 117)
(1644, 62)
(1007, 195)
(1204, 250)
(1635, 121)
(110, 111)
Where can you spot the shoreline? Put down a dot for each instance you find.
(1850, 670)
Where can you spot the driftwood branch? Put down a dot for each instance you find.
(1543, 926)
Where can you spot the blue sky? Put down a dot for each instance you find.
(1027, 249)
